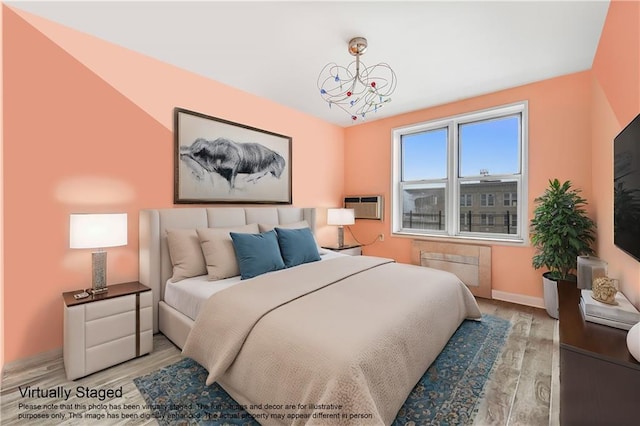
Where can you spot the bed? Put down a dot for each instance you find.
(337, 340)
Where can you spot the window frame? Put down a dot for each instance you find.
(452, 229)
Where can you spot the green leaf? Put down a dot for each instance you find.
(560, 229)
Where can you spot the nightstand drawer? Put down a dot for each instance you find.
(146, 342)
(354, 250)
(110, 353)
(106, 308)
(110, 328)
(146, 319)
(146, 299)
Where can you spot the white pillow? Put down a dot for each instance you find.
(219, 254)
(185, 253)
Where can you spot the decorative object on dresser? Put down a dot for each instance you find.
(619, 314)
(604, 290)
(219, 161)
(98, 231)
(106, 329)
(599, 378)
(589, 268)
(340, 217)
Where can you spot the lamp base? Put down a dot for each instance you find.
(99, 272)
(340, 236)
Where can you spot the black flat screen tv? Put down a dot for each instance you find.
(626, 189)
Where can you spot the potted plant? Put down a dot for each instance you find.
(560, 232)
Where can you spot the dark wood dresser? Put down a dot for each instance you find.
(599, 379)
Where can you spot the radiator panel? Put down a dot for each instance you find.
(470, 263)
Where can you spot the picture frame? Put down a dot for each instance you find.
(218, 161)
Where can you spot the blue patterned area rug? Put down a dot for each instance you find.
(447, 394)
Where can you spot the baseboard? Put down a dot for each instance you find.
(536, 302)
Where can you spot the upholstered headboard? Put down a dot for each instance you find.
(154, 261)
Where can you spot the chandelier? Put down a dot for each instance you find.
(356, 88)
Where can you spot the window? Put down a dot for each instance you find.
(510, 199)
(487, 200)
(487, 219)
(480, 154)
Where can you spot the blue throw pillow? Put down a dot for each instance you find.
(297, 246)
(257, 253)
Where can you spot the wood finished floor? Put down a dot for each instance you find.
(518, 393)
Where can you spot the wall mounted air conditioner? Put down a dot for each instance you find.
(365, 206)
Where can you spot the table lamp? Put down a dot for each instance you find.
(340, 217)
(98, 231)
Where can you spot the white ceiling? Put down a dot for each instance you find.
(440, 51)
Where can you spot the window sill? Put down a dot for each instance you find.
(462, 239)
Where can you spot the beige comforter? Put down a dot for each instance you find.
(342, 341)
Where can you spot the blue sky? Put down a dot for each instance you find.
(490, 144)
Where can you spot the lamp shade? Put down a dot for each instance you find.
(97, 230)
(340, 217)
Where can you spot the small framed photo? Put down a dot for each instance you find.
(218, 161)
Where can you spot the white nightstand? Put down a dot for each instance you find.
(106, 329)
(351, 250)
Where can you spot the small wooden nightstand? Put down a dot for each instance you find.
(351, 250)
(106, 329)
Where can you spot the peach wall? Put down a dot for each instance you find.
(615, 88)
(559, 147)
(88, 128)
(88, 112)
(616, 65)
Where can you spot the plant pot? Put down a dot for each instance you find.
(550, 289)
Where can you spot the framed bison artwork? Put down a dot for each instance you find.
(218, 161)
